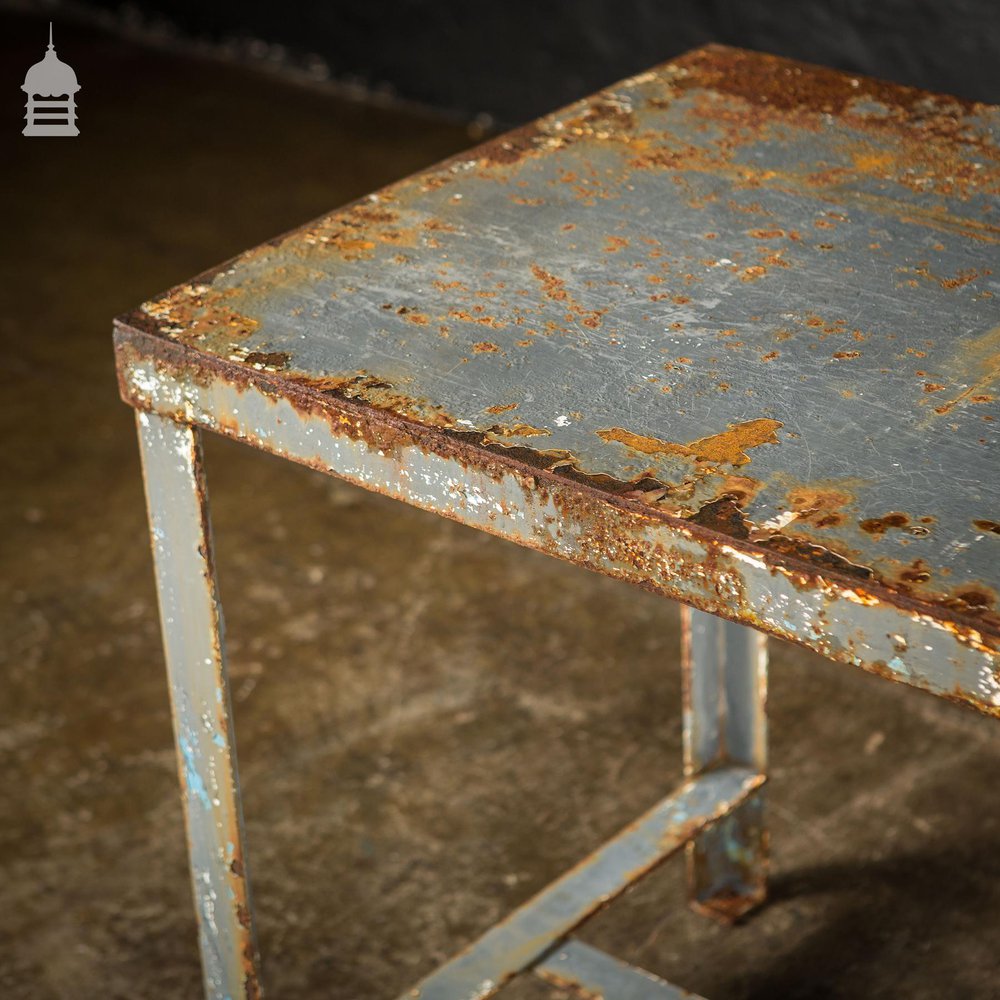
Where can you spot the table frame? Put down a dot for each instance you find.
(717, 813)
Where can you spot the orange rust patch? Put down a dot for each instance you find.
(639, 442)
(501, 409)
(878, 526)
(483, 320)
(553, 287)
(189, 314)
(728, 447)
(841, 355)
(991, 526)
(820, 505)
(917, 138)
(356, 231)
(871, 162)
(963, 277)
(776, 260)
(731, 445)
(485, 347)
(352, 247)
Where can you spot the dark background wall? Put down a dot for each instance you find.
(515, 59)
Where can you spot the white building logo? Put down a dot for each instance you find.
(51, 87)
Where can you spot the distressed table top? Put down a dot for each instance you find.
(744, 292)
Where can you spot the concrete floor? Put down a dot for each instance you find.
(432, 723)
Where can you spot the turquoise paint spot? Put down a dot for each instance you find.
(219, 741)
(898, 665)
(195, 785)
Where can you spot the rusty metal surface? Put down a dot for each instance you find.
(191, 622)
(734, 294)
(593, 974)
(529, 932)
(724, 667)
(621, 537)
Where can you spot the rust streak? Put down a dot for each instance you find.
(729, 447)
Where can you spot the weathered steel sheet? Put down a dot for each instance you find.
(516, 497)
(761, 293)
(516, 942)
(727, 330)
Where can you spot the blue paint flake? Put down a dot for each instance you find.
(195, 785)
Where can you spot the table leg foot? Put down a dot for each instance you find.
(724, 668)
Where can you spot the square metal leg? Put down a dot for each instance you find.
(724, 667)
(191, 619)
(720, 805)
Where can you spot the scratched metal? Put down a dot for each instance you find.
(845, 619)
(725, 722)
(726, 330)
(199, 694)
(762, 292)
(594, 974)
(528, 933)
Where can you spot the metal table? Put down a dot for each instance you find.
(727, 330)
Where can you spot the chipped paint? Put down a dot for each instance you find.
(731, 240)
(191, 624)
(625, 338)
(818, 599)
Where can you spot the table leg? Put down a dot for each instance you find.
(191, 620)
(724, 667)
